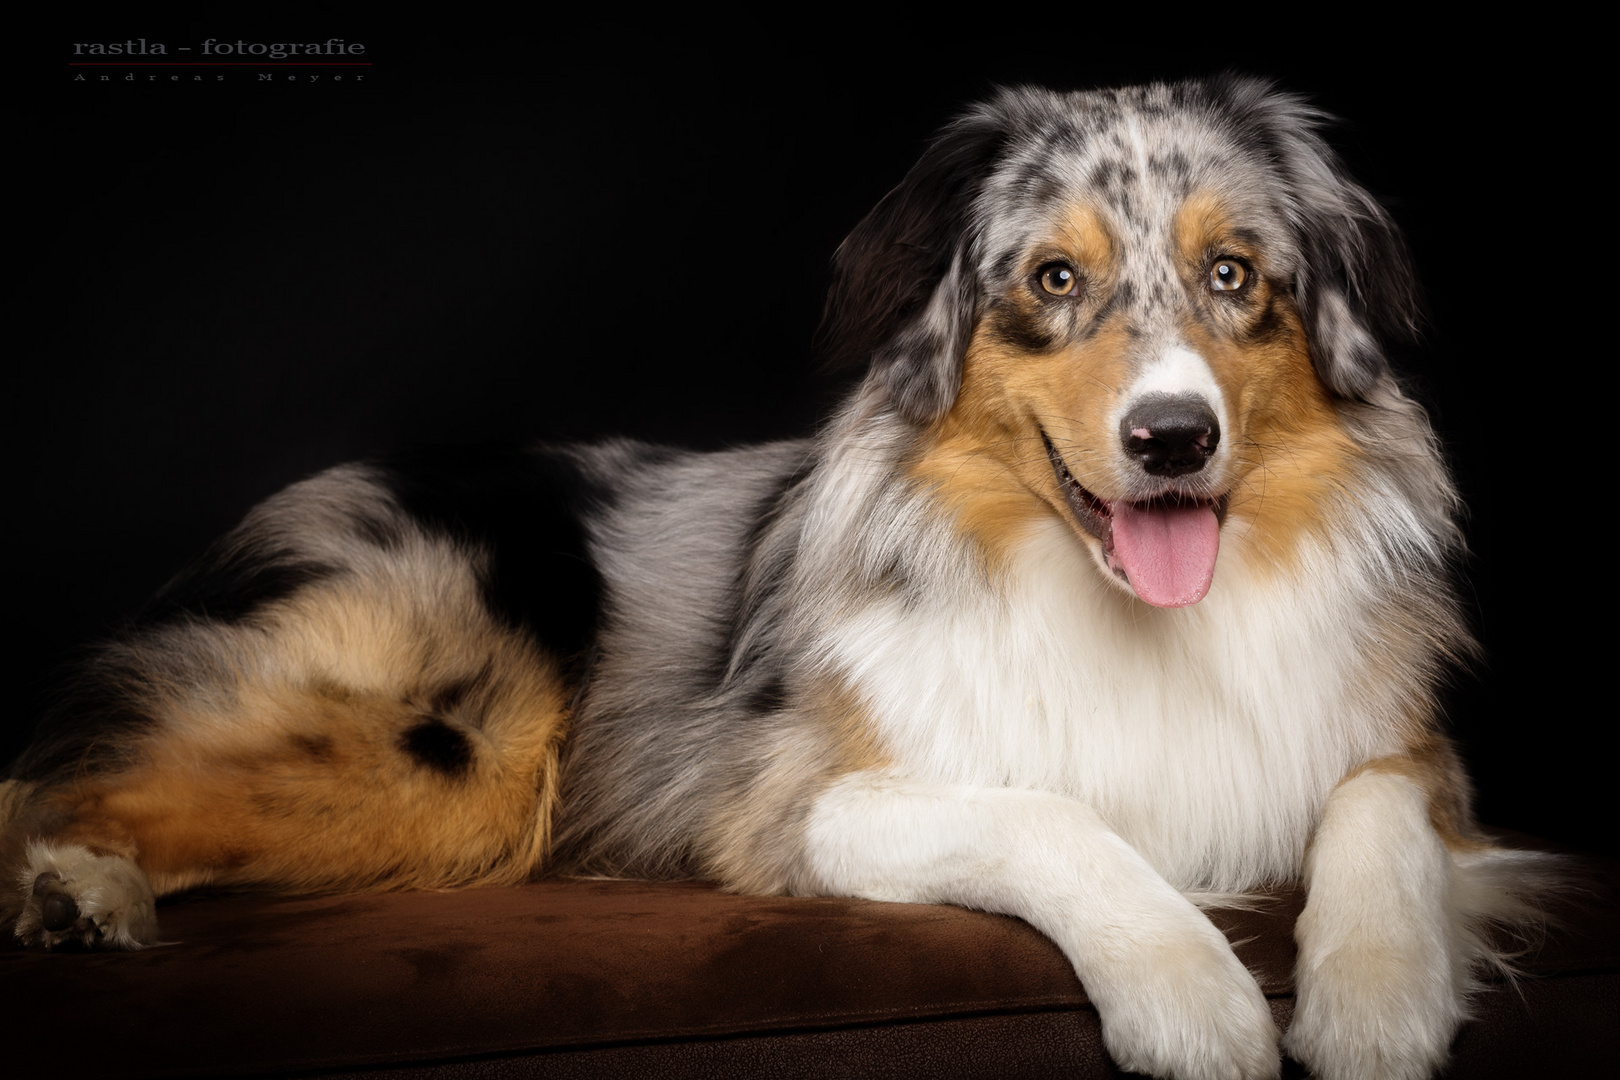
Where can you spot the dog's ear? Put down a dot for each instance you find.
(904, 289)
(1354, 285)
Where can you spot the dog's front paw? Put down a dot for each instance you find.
(75, 898)
(1188, 1011)
(1368, 1012)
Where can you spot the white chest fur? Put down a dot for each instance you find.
(1207, 737)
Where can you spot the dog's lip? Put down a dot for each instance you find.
(1095, 514)
(1091, 512)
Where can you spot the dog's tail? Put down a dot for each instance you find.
(1501, 900)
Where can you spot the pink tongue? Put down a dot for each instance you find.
(1167, 551)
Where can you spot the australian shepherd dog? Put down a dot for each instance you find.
(1122, 580)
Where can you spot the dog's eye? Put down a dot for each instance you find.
(1227, 275)
(1059, 279)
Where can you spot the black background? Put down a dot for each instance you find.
(602, 229)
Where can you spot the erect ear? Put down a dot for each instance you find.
(1354, 284)
(904, 290)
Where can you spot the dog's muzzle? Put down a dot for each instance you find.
(1164, 547)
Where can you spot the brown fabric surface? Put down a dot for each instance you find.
(627, 978)
(1028, 1046)
(302, 983)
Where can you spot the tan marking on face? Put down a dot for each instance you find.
(986, 458)
(1082, 237)
(1284, 447)
(1203, 230)
(1288, 446)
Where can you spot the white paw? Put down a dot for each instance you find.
(1189, 1011)
(1370, 1012)
(1380, 981)
(72, 897)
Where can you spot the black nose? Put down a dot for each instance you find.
(1170, 434)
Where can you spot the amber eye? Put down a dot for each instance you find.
(1060, 279)
(1227, 275)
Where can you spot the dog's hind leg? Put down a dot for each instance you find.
(339, 741)
(342, 794)
(1391, 932)
(1173, 998)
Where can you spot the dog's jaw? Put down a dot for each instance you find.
(1162, 549)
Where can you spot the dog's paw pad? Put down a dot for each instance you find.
(57, 909)
(74, 898)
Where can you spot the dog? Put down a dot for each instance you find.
(1120, 583)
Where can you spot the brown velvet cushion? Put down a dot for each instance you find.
(595, 978)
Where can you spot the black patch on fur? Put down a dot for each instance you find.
(231, 581)
(1107, 175)
(1173, 166)
(1006, 265)
(1245, 236)
(1013, 327)
(1267, 327)
(449, 698)
(769, 696)
(522, 513)
(83, 730)
(894, 579)
(317, 747)
(379, 530)
(771, 504)
(434, 744)
(761, 575)
(895, 261)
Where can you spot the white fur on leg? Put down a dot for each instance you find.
(1382, 969)
(1173, 998)
(112, 906)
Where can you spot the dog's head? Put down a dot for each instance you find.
(1141, 303)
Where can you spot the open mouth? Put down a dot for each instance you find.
(1164, 548)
